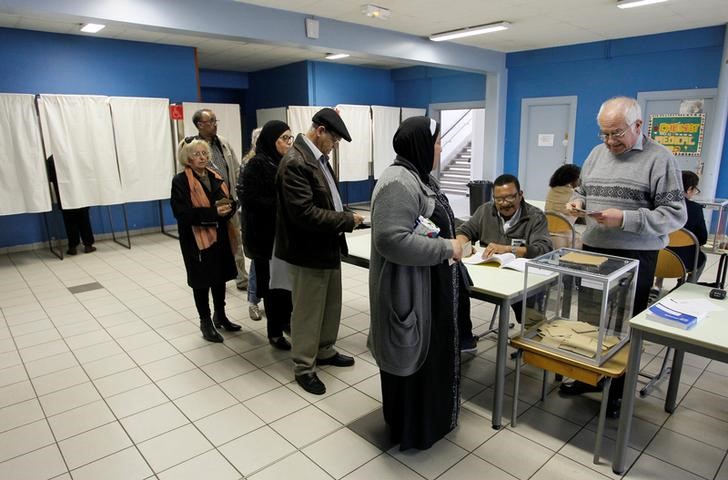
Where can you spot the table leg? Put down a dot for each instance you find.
(500, 363)
(516, 382)
(625, 412)
(677, 364)
(602, 418)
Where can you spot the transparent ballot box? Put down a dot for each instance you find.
(583, 311)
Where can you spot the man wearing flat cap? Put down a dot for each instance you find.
(310, 237)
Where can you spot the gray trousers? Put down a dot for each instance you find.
(316, 315)
(239, 255)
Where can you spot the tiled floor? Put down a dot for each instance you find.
(117, 383)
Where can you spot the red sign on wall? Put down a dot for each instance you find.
(175, 112)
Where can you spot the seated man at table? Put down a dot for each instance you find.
(507, 224)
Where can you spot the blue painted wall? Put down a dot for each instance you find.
(37, 62)
(597, 71)
(333, 84)
(418, 87)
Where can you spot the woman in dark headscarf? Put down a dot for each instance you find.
(413, 290)
(259, 214)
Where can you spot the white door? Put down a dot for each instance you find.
(547, 127)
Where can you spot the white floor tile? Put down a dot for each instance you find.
(228, 424)
(168, 367)
(581, 450)
(14, 374)
(127, 464)
(648, 467)
(383, 467)
(228, 368)
(256, 450)
(275, 404)
(562, 468)
(116, 383)
(108, 366)
(136, 400)
(210, 465)
(205, 402)
(48, 365)
(185, 383)
(474, 468)
(544, 428)
(43, 463)
(305, 426)
(250, 385)
(472, 430)
(92, 445)
(208, 354)
(341, 452)
(154, 421)
(699, 427)
(20, 413)
(81, 419)
(175, 447)
(293, 466)
(348, 405)
(499, 451)
(433, 462)
(686, 453)
(59, 380)
(69, 398)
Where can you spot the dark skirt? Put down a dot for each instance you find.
(423, 407)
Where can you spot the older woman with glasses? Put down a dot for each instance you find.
(257, 193)
(202, 205)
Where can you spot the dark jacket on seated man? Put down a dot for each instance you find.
(695, 224)
(530, 230)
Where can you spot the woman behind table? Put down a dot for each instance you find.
(259, 211)
(202, 205)
(414, 293)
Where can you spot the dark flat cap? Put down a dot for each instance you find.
(332, 121)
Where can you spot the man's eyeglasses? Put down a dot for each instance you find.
(697, 190)
(200, 154)
(506, 198)
(286, 138)
(211, 122)
(606, 136)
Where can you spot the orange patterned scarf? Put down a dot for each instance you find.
(205, 236)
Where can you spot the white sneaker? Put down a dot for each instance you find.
(254, 312)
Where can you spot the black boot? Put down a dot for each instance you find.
(208, 331)
(221, 320)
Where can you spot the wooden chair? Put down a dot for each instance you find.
(669, 265)
(686, 238)
(560, 226)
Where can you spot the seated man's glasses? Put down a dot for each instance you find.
(603, 136)
(506, 198)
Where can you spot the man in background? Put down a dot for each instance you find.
(224, 161)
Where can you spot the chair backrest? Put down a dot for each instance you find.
(559, 224)
(686, 238)
(669, 265)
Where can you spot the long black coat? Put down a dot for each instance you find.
(258, 199)
(213, 265)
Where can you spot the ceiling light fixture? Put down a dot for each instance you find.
(336, 56)
(92, 27)
(470, 31)
(375, 11)
(636, 3)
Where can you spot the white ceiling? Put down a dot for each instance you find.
(535, 24)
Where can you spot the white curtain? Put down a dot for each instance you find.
(81, 137)
(264, 115)
(144, 147)
(23, 182)
(385, 121)
(228, 118)
(354, 156)
(299, 118)
(412, 112)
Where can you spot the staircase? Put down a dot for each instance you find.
(455, 176)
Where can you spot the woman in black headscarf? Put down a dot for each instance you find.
(413, 290)
(257, 180)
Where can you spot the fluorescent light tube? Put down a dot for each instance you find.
(336, 56)
(92, 27)
(470, 31)
(636, 3)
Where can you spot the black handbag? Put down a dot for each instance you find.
(720, 277)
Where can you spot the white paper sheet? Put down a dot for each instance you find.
(143, 146)
(354, 156)
(228, 126)
(412, 112)
(24, 182)
(385, 121)
(299, 118)
(81, 137)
